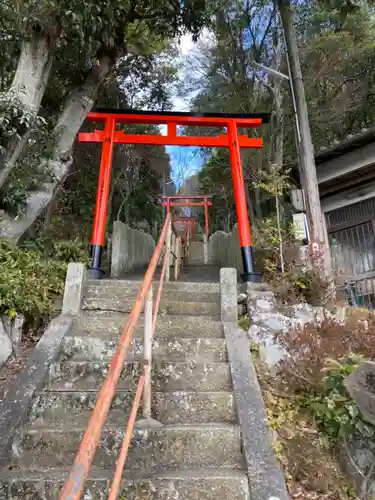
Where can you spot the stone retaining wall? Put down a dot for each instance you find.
(224, 249)
(131, 249)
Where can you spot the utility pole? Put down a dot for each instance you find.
(316, 218)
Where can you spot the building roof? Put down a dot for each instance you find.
(349, 144)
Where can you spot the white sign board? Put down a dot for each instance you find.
(300, 226)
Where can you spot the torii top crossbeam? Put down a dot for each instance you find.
(172, 120)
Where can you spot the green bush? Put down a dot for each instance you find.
(31, 279)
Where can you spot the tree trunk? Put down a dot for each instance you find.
(278, 114)
(28, 87)
(318, 230)
(73, 115)
(281, 250)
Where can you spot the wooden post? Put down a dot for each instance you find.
(205, 249)
(147, 354)
(168, 250)
(178, 258)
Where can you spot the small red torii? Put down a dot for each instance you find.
(190, 201)
(111, 135)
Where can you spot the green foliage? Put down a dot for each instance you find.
(267, 245)
(333, 409)
(32, 280)
(275, 181)
(15, 120)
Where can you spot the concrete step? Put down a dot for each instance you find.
(166, 376)
(52, 408)
(186, 484)
(188, 286)
(190, 446)
(107, 324)
(208, 292)
(86, 348)
(167, 305)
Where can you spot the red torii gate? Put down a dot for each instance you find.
(189, 223)
(111, 135)
(190, 201)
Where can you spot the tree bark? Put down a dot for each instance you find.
(28, 88)
(278, 114)
(71, 119)
(318, 229)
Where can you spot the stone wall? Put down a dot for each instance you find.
(268, 319)
(131, 249)
(224, 249)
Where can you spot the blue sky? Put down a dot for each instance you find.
(185, 161)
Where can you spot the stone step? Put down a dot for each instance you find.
(106, 324)
(190, 446)
(186, 484)
(168, 287)
(52, 408)
(166, 376)
(129, 290)
(86, 348)
(167, 306)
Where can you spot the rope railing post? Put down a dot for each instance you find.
(168, 251)
(205, 248)
(178, 258)
(147, 353)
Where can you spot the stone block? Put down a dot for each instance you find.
(228, 286)
(74, 286)
(266, 478)
(10, 336)
(131, 249)
(361, 386)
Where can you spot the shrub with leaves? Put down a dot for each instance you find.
(332, 408)
(267, 240)
(32, 280)
(301, 284)
(309, 347)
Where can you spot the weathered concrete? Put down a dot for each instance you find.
(77, 348)
(192, 400)
(265, 476)
(128, 291)
(224, 249)
(187, 484)
(88, 376)
(74, 285)
(10, 336)
(229, 304)
(13, 408)
(51, 409)
(169, 447)
(131, 249)
(114, 303)
(108, 325)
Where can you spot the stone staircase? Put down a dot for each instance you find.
(195, 455)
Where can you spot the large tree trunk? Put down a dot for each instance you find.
(318, 230)
(73, 115)
(28, 87)
(277, 131)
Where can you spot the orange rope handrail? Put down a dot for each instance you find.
(133, 414)
(74, 485)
